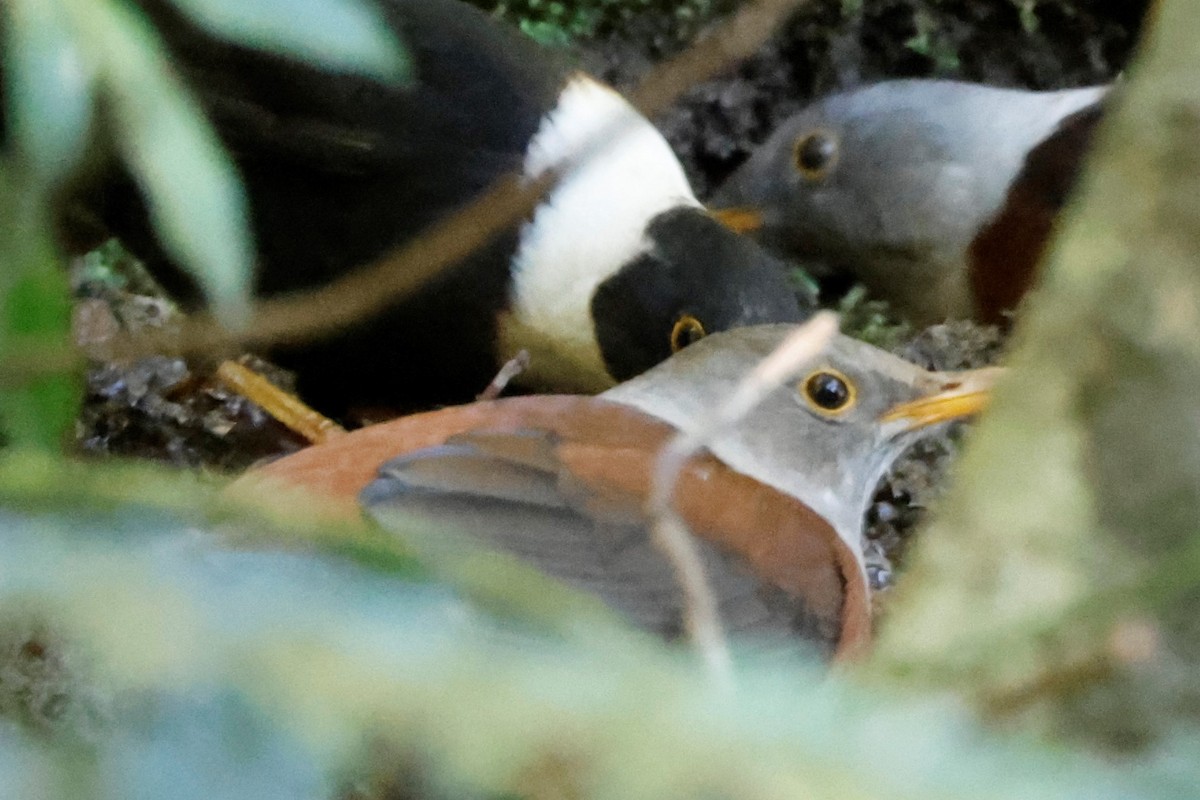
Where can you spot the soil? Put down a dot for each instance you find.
(161, 407)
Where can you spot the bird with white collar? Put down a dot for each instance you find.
(614, 270)
(938, 195)
(776, 502)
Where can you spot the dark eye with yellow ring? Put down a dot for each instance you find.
(829, 391)
(815, 153)
(687, 330)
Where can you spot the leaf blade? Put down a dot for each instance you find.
(35, 309)
(346, 35)
(49, 89)
(192, 189)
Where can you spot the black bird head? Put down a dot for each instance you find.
(695, 278)
(620, 266)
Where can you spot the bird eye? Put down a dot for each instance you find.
(829, 392)
(815, 154)
(687, 330)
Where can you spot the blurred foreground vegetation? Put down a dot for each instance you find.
(155, 642)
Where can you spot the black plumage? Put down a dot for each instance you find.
(341, 168)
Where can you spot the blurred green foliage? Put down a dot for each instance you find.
(64, 56)
(185, 668)
(349, 35)
(931, 42)
(566, 22)
(35, 314)
(1027, 9)
(61, 60)
(38, 412)
(872, 321)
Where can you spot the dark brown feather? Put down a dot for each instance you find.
(1004, 256)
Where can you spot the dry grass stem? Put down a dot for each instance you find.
(283, 406)
(734, 40)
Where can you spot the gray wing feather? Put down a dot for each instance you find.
(510, 497)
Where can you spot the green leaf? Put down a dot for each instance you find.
(34, 311)
(545, 33)
(49, 89)
(348, 35)
(38, 413)
(193, 192)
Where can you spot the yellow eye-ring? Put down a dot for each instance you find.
(815, 154)
(829, 392)
(687, 330)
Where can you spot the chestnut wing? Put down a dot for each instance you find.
(529, 494)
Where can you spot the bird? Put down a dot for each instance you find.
(938, 195)
(776, 502)
(617, 267)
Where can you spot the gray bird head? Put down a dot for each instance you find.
(827, 435)
(890, 183)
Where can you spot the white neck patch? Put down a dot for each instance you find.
(1032, 117)
(591, 224)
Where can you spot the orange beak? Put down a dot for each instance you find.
(740, 219)
(961, 395)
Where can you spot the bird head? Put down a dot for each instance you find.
(693, 278)
(890, 183)
(828, 433)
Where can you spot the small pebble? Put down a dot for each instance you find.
(879, 577)
(882, 511)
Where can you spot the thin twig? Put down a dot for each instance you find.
(511, 369)
(733, 40)
(671, 535)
